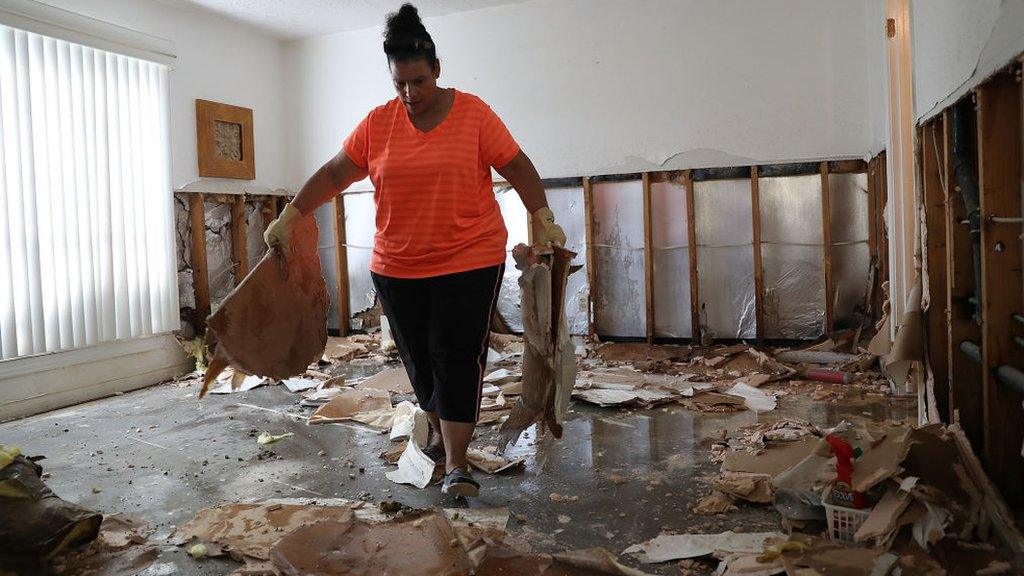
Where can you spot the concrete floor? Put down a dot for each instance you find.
(160, 454)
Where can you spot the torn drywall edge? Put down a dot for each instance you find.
(232, 186)
(1005, 44)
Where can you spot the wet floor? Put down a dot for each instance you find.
(160, 454)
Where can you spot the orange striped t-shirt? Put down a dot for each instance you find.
(436, 210)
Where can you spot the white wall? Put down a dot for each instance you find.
(602, 86)
(947, 37)
(876, 53)
(217, 59)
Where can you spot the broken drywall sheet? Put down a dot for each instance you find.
(668, 547)
(349, 403)
(274, 323)
(227, 383)
(410, 422)
(753, 398)
(394, 380)
(253, 529)
(413, 544)
(300, 384)
(414, 467)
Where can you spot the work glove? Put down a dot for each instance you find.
(545, 232)
(279, 232)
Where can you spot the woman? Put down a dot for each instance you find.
(439, 251)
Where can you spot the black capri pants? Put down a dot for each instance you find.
(441, 327)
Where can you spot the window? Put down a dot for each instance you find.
(86, 238)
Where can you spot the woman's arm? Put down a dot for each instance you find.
(336, 175)
(523, 176)
(332, 178)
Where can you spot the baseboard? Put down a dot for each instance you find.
(49, 381)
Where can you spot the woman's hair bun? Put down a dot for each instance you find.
(405, 37)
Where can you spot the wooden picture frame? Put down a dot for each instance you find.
(225, 142)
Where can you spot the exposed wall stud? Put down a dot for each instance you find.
(755, 204)
(826, 240)
(200, 272)
(691, 234)
(588, 223)
(341, 264)
(239, 239)
(648, 258)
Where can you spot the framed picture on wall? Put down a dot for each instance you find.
(224, 136)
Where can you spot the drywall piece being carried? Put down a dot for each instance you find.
(791, 257)
(668, 547)
(619, 302)
(725, 257)
(851, 259)
(671, 251)
(275, 323)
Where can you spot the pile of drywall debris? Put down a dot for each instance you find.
(339, 536)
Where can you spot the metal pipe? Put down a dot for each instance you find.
(971, 350)
(1005, 220)
(1011, 378)
(963, 157)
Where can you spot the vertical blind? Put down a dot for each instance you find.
(86, 237)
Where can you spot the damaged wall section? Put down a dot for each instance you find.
(725, 257)
(851, 258)
(619, 259)
(671, 251)
(791, 253)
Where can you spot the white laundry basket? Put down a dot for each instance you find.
(844, 522)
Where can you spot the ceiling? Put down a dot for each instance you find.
(293, 19)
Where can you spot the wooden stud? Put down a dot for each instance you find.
(239, 240)
(999, 179)
(341, 264)
(965, 400)
(873, 227)
(755, 205)
(588, 223)
(826, 240)
(691, 234)
(200, 272)
(648, 258)
(929, 139)
(269, 210)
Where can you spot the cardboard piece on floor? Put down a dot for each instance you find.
(753, 398)
(492, 416)
(502, 561)
(350, 402)
(502, 376)
(612, 397)
(274, 323)
(491, 463)
(413, 544)
(494, 403)
(884, 517)
(883, 459)
(774, 460)
(252, 529)
(343, 349)
(707, 401)
(666, 547)
(394, 380)
(745, 486)
(300, 384)
(828, 557)
(749, 565)
(320, 396)
(234, 381)
(715, 503)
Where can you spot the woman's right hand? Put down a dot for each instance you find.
(279, 232)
